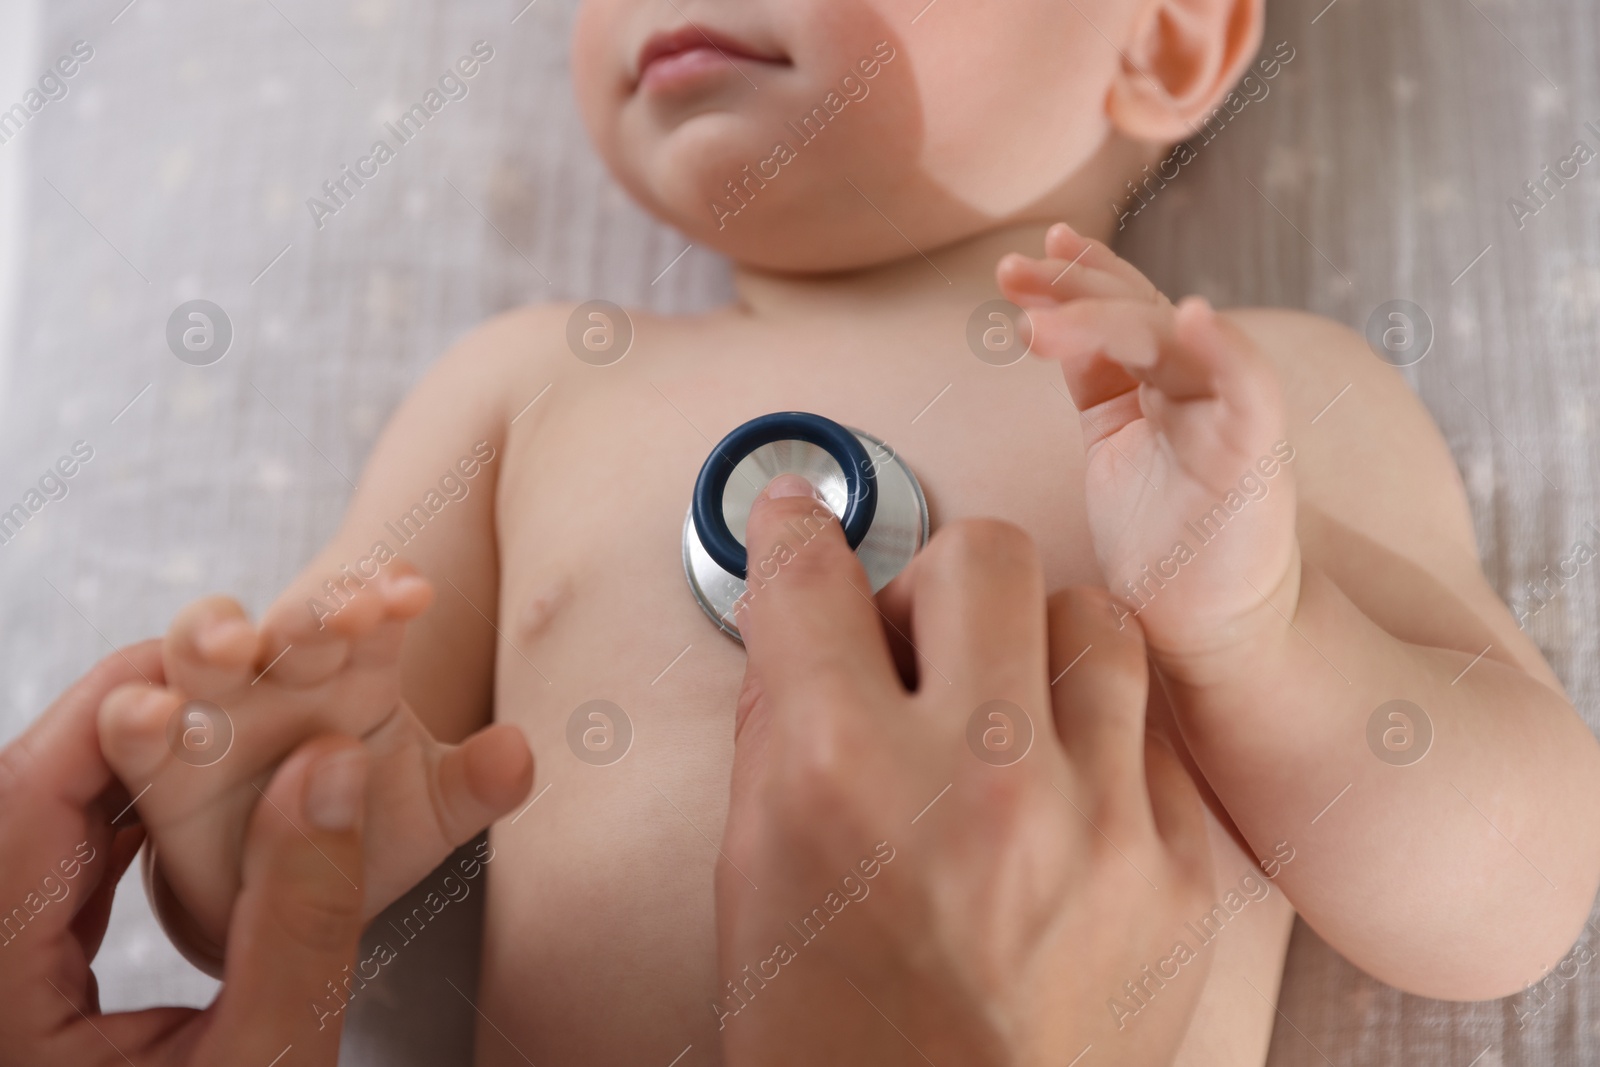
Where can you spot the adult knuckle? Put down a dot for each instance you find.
(1003, 794)
(1118, 801)
(1193, 863)
(800, 518)
(816, 770)
(818, 558)
(1097, 615)
(1112, 828)
(1117, 860)
(1080, 602)
(323, 918)
(799, 553)
(1012, 815)
(974, 544)
(820, 775)
(1006, 795)
(827, 684)
(1194, 890)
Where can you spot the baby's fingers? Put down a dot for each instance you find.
(1105, 347)
(356, 621)
(463, 788)
(210, 647)
(481, 779)
(133, 723)
(1075, 268)
(1062, 242)
(1041, 283)
(1181, 354)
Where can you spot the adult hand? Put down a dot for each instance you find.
(966, 871)
(296, 925)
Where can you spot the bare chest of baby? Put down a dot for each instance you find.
(600, 941)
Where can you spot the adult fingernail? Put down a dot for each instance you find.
(790, 485)
(337, 790)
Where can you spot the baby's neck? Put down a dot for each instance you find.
(962, 272)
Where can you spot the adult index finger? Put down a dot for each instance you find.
(53, 778)
(296, 927)
(59, 755)
(57, 842)
(978, 618)
(807, 618)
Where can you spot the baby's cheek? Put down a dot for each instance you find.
(848, 26)
(1007, 99)
(599, 70)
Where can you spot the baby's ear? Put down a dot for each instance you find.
(1183, 56)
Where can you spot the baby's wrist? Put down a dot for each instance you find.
(1241, 649)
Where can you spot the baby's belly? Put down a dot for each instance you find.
(599, 945)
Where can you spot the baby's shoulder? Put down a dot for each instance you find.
(1314, 353)
(529, 334)
(1334, 381)
(1367, 449)
(502, 357)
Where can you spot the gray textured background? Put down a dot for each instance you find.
(178, 167)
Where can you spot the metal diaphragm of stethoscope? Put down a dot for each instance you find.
(862, 481)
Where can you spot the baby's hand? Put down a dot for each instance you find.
(1191, 499)
(197, 773)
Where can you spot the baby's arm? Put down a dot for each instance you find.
(355, 646)
(450, 429)
(1280, 632)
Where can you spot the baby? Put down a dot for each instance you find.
(1381, 749)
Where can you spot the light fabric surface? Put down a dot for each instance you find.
(1377, 167)
(18, 23)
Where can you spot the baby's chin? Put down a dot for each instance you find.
(766, 205)
(847, 200)
(803, 244)
(786, 230)
(819, 229)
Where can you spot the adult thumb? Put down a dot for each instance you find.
(297, 924)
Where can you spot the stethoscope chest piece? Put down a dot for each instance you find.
(862, 481)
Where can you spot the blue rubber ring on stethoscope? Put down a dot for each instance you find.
(846, 449)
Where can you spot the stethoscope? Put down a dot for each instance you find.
(877, 499)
